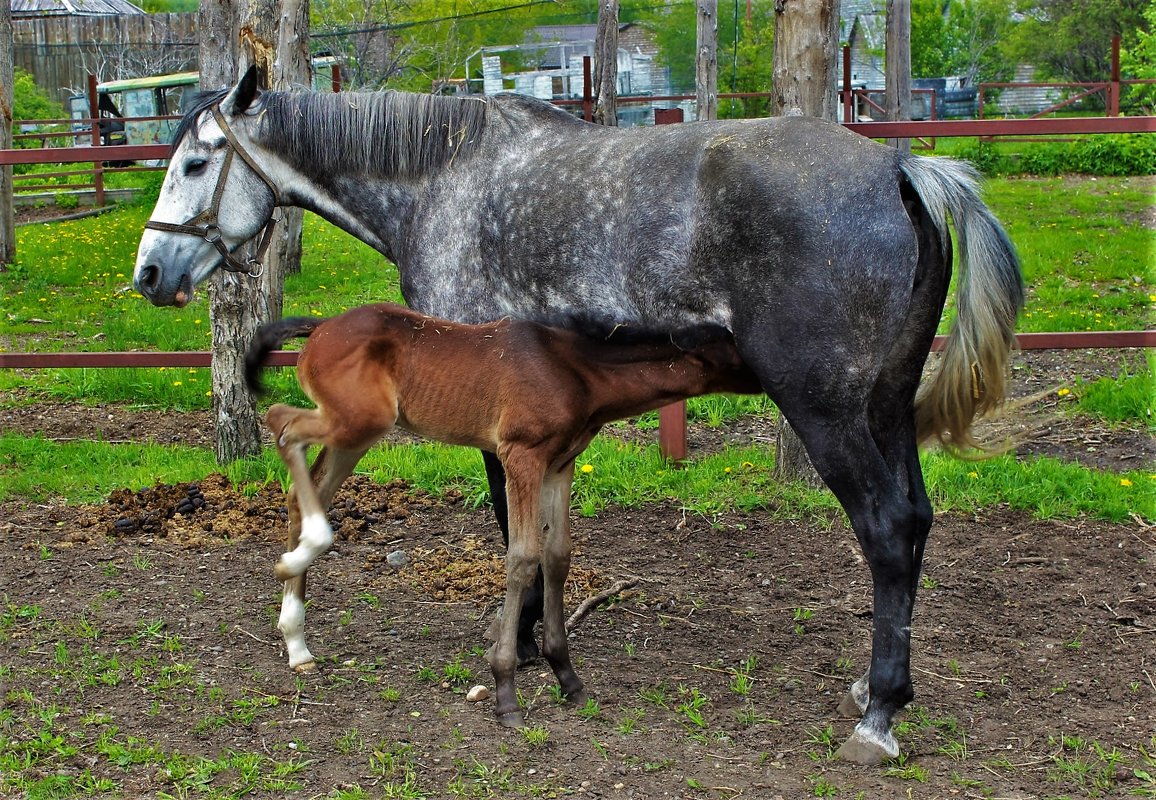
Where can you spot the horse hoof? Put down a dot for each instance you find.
(849, 707)
(308, 668)
(868, 750)
(282, 572)
(528, 652)
(579, 697)
(511, 719)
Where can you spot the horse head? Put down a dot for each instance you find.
(215, 197)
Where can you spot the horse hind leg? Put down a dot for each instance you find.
(329, 471)
(885, 522)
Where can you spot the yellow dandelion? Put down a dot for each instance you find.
(1064, 392)
(587, 468)
(747, 465)
(973, 474)
(727, 470)
(1125, 482)
(177, 383)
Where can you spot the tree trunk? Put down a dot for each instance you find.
(292, 70)
(706, 60)
(7, 213)
(805, 64)
(805, 58)
(237, 303)
(606, 64)
(898, 66)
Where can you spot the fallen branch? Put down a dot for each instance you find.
(592, 602)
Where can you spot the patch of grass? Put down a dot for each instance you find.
(1131, 395)
(1046, 487)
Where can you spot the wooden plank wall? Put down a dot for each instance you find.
(60, 52)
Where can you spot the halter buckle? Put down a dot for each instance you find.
(212, 233)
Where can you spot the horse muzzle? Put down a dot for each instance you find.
(150, 281)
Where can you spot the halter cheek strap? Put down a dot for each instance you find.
(205, 224)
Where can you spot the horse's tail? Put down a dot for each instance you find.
(989, 295)
(269, 338)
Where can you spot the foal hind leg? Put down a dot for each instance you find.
(330, 469)
(531, 610)
(555, 567)
(524, 485)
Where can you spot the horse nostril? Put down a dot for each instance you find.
(150, 278)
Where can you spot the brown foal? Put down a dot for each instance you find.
(533, 395)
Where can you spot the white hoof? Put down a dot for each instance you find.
(868, 748)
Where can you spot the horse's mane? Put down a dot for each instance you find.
(393, 134)
(201, 103)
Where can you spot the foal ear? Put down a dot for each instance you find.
(243, 97)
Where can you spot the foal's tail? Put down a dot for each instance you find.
(989, 295)
(269, 338)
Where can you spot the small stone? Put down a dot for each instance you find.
(397, 558)
(477, 694)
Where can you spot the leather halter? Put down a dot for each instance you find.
(204, 225)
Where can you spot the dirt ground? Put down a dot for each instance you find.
(716, 675)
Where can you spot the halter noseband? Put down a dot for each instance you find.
(204, 225)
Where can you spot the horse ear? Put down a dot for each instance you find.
(245, 96)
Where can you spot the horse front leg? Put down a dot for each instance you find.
(524, 482)
(555, 567)
(531, 610)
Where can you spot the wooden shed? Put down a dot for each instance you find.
(61, 42)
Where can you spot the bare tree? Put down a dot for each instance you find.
(125, 57)
(606, 64)
(7, 70)
(805, 60)
(706, 60)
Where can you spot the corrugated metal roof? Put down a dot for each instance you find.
(74, 8)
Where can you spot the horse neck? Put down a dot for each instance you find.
(360, 160)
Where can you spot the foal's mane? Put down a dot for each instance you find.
(389, 134)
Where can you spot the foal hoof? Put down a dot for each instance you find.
(868, 749)
(306, 668)
(511, 719)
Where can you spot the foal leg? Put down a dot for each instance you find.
(524, 487)
(531, 610)
(556, 566)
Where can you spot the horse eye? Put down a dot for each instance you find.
(196, 166)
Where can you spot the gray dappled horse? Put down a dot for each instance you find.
(827, 255)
